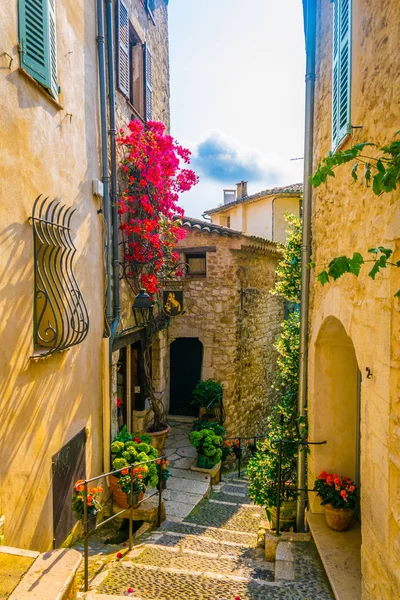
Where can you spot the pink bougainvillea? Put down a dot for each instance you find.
(153, 178)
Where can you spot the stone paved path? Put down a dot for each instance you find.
(211, 555)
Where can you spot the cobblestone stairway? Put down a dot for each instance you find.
(211, 555)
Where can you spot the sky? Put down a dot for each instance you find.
(237, 93)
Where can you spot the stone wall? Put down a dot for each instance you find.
(347, 217)
(237, 320)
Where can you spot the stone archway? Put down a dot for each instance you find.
(334, 408)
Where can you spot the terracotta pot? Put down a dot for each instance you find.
(158, 439)
(120, 497)
(338, 519)
(287, 516)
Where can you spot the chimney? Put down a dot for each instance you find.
(229, 196)
(241, 189)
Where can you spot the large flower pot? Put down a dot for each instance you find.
(338, 519)
(120, 497)
(205, 462)
(158, 438)
(287, 514)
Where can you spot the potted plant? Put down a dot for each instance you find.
(207, 395)
(209, 447)
(262, 471)
(127, 454)
(339, 497)
(93, 502)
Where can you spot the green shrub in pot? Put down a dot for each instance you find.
(209, 447)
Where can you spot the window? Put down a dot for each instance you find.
(134, 65)
(341, 71)
(196, 264)
(37, 41)
(136, 87)
(228, 221)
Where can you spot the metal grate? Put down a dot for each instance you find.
(61, 318)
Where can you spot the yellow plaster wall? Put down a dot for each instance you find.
(262, 217)
(346, 218)
(51, 151)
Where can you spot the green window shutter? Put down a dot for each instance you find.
(123, 67)
(341, 71)
(148, 78)
(37, 37)
(53, 48)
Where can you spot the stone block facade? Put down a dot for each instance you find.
(231, 311)
(359, 316)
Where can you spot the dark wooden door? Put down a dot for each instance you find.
(186, 357)
(69, 465)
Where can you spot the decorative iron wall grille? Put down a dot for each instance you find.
(61, 318)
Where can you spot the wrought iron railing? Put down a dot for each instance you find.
(215, 411)
(237, 447)
(87, 533)
(61, 318)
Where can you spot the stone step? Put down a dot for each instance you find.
(205, 544)
(203, 562)
(226, 535)
(224, 515)
(234, 496)
(166, 583)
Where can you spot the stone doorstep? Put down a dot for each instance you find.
(51, 576)
(340, 553)
(19, 552)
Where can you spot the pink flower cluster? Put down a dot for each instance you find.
(153, 179)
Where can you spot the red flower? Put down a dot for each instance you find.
(119, 402)
(119, 555)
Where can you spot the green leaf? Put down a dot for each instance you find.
(355, 263)
(323, 277)
(386, 251)
(398, 263)
(339, 266)
(375, 270)
(363, 145)
(397, 294)
(354, 172)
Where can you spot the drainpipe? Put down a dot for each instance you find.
(113, 146)
(310, 32)
(104, 150)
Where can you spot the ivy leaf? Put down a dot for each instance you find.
(354, 172)
(355, 263)
(323, 277)
(397, 294)
(386, 251)
(338, 266)
(398, 263)
(375, 270)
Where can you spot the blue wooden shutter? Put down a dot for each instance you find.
(38, 44)
(341, 71)
(123, 66)
(148, 77)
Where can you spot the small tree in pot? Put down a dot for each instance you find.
(208, 395)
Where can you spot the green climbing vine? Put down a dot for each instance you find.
(283, 422)
(382, 173)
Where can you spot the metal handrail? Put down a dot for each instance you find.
(87, 533)
(277, 443)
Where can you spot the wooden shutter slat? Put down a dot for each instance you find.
(123, 72)
(148, 75)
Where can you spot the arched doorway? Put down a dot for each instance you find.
(186, 358)
(334, 412)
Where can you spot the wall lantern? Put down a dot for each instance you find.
(142, 309)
